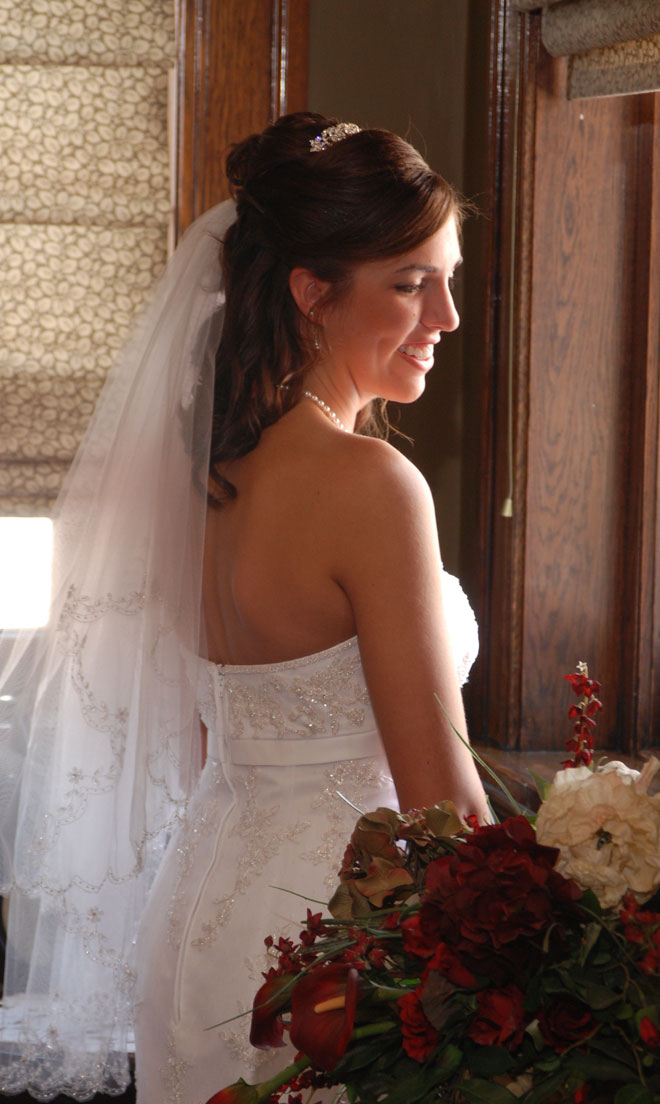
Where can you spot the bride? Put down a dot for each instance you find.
(328, 621)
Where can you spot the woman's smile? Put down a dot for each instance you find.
(420, 355)
(380, 337)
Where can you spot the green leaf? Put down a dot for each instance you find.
(451, 1059)
(633, 1094)
(443, 820)
(364, 1053)
(533, 993)
(599, 1068)
(489, 1060)
(542, 785)
(408, 1083)
(486, 1092)
(616, 1048)
(590, 902)
(595, 995)
(590, 937)
(545, 1089)
(347, 903)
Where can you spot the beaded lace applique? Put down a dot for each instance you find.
(174, 1072)
(202, 820)
(263, 839)
(302, 706)
(354, 779)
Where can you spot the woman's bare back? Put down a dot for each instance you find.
(270, 557)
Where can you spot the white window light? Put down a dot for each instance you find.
(26, 553)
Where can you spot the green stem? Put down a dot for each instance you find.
(640, 1071)
(267, 1088)
(391, 993)
(366, 1030)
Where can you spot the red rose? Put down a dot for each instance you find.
(419, 1036)
(649, 1033)
(565, 1021)
(493, 896)
(446, 961)
(500, 1018)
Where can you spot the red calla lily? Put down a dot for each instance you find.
(266, 1028)
(323, 1013)
(239, 1093)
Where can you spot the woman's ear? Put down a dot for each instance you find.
(306, 288)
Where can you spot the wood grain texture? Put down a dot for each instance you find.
(574, 257)
(644, 694)
(581, 517)
(240, 63)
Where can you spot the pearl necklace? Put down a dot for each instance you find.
(326, 410)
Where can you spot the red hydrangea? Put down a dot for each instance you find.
(493, 899)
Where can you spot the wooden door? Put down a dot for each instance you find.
(567, 403)
(240, 64)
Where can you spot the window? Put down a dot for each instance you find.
(26, 550)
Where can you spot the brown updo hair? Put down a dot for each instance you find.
(367, 197)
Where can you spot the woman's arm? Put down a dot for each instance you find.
(389, 566)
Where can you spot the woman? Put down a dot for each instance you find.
(338, 276)
(294, 536)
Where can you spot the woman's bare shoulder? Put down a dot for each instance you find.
(375, 464)
(376, 481)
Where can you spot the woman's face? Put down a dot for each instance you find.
(382, 334)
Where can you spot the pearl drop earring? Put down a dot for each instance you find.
(315, 335)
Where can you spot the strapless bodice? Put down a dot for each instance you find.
(314, 709)
(310, 710)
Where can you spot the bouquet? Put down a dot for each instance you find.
(467, 963)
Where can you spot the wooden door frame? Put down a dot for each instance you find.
(240, 64)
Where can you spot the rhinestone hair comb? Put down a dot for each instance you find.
(331, 135)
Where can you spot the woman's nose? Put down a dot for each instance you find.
(441, 313)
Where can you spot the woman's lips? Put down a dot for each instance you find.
(421, 354)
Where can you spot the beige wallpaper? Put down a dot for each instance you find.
(84, 213)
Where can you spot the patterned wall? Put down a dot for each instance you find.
(84, 213)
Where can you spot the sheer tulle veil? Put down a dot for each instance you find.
(99, 737)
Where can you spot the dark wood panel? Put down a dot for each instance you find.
(240, 64)
(644, 668)
(580, 555)
(567, 394)
(510, 373)
(496, 368)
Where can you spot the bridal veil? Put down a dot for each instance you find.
(99, 736)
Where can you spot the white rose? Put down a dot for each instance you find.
(607, 829)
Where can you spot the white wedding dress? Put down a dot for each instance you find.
(293, 752)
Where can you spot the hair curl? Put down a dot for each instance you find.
(368, 197)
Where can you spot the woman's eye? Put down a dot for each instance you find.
(409, 288)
